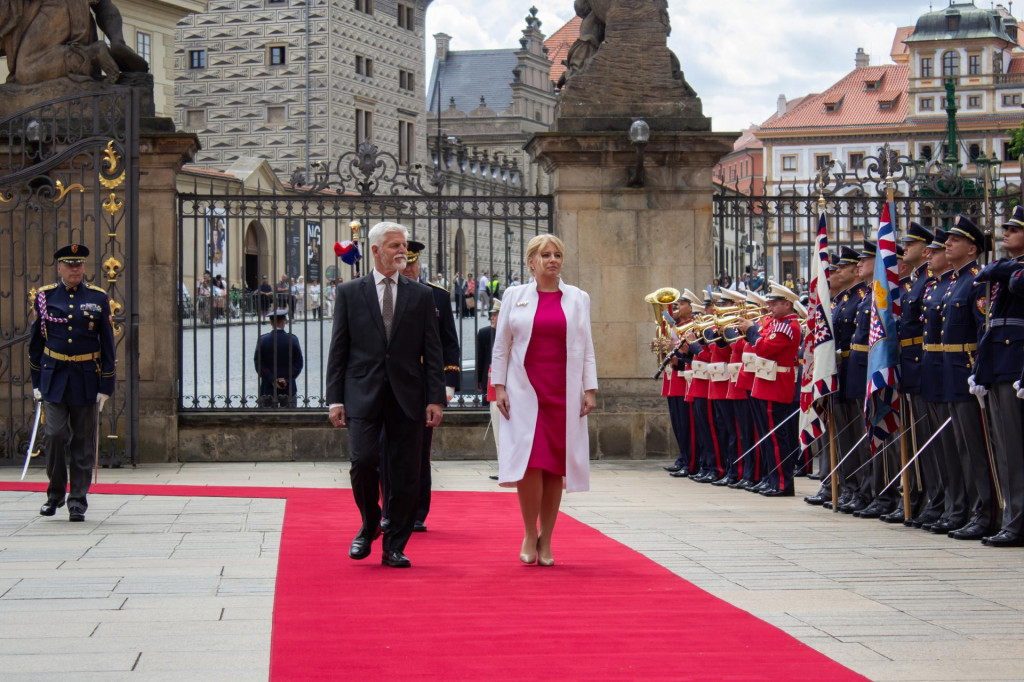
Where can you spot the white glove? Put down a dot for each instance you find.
(37, 394)
(1020, 389)
(976, 388)
(101, 399)
(449, 393)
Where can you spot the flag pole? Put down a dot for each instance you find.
(890, 196)
(833, 454)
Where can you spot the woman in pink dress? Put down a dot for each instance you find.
(545, 380)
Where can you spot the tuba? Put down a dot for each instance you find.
(661, 302)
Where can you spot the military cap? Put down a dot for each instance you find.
(691, 297)
(833, 261)
(756, 298)
(717, 296)
(965, 227)
(939, 241)
(869, 250)
(733, 295)
(778, 292)
(800, 310)
(1017, 221)
(279, 313)
(899, 252)
(918, 233)
(413, 249)
(848, 256)
(72, 254)
(697, 307)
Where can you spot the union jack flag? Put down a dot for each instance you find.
(820, 375)
(882, 402)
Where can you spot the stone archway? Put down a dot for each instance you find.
(255, 255)
(459, 252)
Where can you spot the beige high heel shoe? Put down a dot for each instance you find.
(542, 561)
(526, 558)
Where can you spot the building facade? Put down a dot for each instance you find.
(299, 84)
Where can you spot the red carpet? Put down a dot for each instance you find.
(468, 610)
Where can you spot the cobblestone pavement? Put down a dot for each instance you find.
(161, 588)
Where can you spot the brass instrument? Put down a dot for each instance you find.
(661, 302)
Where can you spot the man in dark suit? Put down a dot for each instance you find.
(385, 379)
(484, 344)
(452, 375)
(278, 359)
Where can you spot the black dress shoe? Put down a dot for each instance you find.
(738, 484)
(723, 481)
(50, 508)
(895, 516)
(674, 468)
(360, 548)
(1004, 538)
(800, 473)
(874, 510)
(827, 505)
(943, 526)
(923, 519)
(395, 559)
(700, 473)
(76, 514)
(819, 499)
(759, 486)
(972, 531)
(775, 492)
(419, 527)
(682, 473)
(845, 497)
(709, 477)
(814, 477)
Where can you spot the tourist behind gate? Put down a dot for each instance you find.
(545, 380)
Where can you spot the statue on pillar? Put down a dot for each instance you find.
(45, 40)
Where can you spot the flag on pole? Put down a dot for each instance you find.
(820, 373)
(881, 403)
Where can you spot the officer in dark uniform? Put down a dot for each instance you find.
(915, 259)
(71, 359)
(278, 360)
(852, 335)
(943, 448)
(962, 324)
(452, 374)
(1000, 358)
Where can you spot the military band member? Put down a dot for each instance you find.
(71, 359)
(999, 362)
(775, 387)
(709, 459)
(753, 463)
(698, 438)
(452, 380)
(943, 448)
(674, 390)
(723, 415)
(962, 324)
(912, 288)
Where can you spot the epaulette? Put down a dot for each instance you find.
(48, 287)
(96, 288)
(437, 286)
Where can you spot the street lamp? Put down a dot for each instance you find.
(639, 135)
(988, 174)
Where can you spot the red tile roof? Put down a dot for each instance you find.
(899, 51)
(1016, 65)
(857, 106)
(747, 140)
(558, 44)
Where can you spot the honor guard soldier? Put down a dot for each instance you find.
(775, 387)
(71, 358)
(278, 361)
(912, 288)
(999, 362)
(452, 376)
(943, 447)
(962, 324)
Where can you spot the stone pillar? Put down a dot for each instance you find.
(623, 242)
(161, 156)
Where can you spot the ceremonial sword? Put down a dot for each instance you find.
(870, 459)
(777, 427)
(912, 459)
(32, 441)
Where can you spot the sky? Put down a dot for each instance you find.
(739, 55)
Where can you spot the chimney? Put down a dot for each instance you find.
(862, 60)
(443, 43)
(782, 105)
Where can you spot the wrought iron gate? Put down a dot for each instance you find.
(775, 234)
(236, 240)
(69, 173)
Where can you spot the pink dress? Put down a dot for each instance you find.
(545, 366)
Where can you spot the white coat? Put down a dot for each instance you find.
(508, 367)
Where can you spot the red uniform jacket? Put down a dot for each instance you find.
(781, 343)
(719, 390)
(699, 387)
(737, 389)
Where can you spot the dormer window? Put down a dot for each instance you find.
(953, 21)
(874, 85)
(832, 107)
(1011, 30)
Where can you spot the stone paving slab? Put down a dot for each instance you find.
(143, 573)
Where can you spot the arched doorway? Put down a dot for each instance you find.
(255, 255)
(459, 253)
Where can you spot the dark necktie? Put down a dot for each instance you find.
(388, 308)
